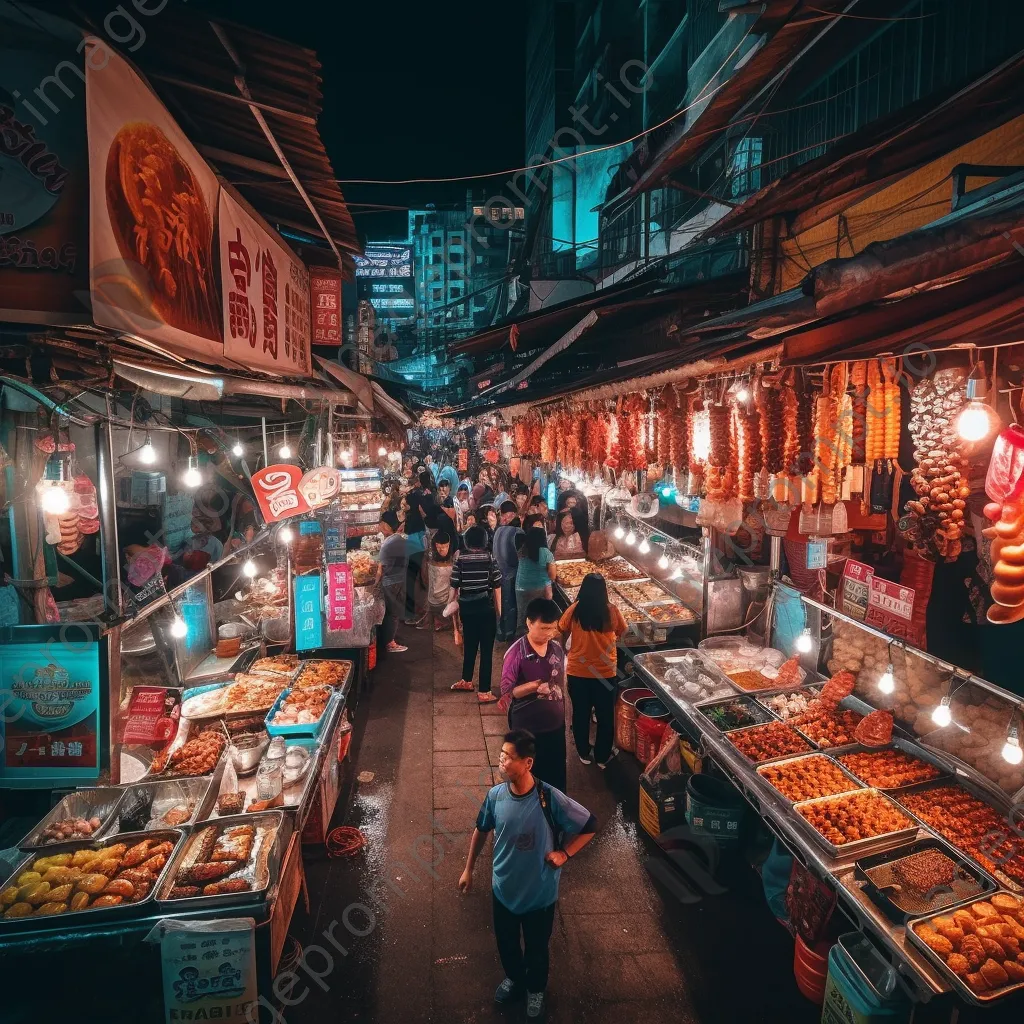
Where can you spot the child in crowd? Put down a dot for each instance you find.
(437, 574)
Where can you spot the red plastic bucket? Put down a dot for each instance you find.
(625, 716)
(651, 725)
(810, 968)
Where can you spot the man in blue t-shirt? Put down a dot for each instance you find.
(527, 817)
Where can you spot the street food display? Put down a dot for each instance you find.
(806, 778)
(196, 756)
(254, 692)
(888, 769)
(763, 742)
(826, 727)
(572, 574)
(278, 665)
(751, 679)
(302, 706)
(686, 675)
(735, 713)
(793, 702)
(641, 593)
(322, 673)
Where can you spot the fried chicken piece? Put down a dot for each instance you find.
(983, 909)
(973, 950)
(1006, 903)
(966, 920)
(958, 963)
(992, 971)
(954, 933)
(934, 941)
(993, 948)
(1014, 970)
(977, 982)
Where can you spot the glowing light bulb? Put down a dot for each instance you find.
(285, 451)
(888, 681)
(382, 452)
(239, 450)
(619, 532)
(663, 562)
(1012, 752)
(285, 535)
(249, 569)
(192, 477)
(677, 573)
(178, 627)
(147, 453)
(631, 538)
(977, 421)
(743, 395)
(55, 500)
(645, 547)
(804, 642)
(942, 716)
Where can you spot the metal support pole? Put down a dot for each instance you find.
(266, 454)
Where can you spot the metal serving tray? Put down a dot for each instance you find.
(677, 656)
(816, 743)
(641, 577)
(178, 742)
(340, 684)
(813, 690)
(970, 883)
(962, 989)
(902, 745)
(707, 706)
(855, 784)
(174, 835)
(860, 847)
(261, 866)
(100, 803)
(729, 733)
(200, 791)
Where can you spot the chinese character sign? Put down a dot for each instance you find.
(266, 295)
(309, 627)
(340, 596)
(325, 299)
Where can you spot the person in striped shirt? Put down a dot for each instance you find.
(476, 582)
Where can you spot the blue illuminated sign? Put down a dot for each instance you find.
(309, 624)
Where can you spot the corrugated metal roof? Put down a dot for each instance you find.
(194, 74)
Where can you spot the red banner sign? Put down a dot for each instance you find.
(340, 596)
(277, 490)
(152, 716)
(880, 603)
(325, 299)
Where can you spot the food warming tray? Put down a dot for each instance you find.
(776, 762)
(199, 790)
(761, 714)
(623, 564)
(260, 866)
(83, 803)
(962, 989)
(178, 741)
(906, 747)
(859, 847)
(58, 921)
(877, 873)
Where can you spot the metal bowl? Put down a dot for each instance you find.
(247, 751)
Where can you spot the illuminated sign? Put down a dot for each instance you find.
(384, 261)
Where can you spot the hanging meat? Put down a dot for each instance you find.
(805, 424)
(938, 476)
(772, 430)
(859, 390)
(891, 411)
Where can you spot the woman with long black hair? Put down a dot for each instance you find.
(593, 625)
(534, 574)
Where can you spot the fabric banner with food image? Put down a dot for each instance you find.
(153, 201)
(266, 295)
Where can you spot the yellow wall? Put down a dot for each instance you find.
(921, 197)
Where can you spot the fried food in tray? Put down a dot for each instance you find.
(617, 569)
(852, 817)
(641, 593)
(825, 727)
(222, 859)
(571, 574)
(805, 778)
(254, 693)
(277, 665)
(323, 673)
(303, 706)
(670, 611)
(197, 756)
(750, 679)
(979, 945)
(629, 613)
(972, 826)
(888, 769)
(763, 742)
(90, 877)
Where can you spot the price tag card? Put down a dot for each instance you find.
(817, 553)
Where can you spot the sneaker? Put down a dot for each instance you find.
(584, 760)
(396, 648)
(508, 992)
(611, 757)
(487, 698)
(534, 1005)
(464, 685)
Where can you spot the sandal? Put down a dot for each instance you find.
(463, 685)
(486, 698)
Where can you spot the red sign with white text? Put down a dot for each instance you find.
(152, 716)
(340, 596)
(325, 302)
(277, 491)
(890, 607)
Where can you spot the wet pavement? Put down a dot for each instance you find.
(389, 938)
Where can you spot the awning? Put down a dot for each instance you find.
(883, 150)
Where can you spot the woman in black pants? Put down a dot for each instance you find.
(476, 580)
(593, 626)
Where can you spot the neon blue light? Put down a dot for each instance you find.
(552, 495)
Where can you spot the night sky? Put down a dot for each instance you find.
(411, 90)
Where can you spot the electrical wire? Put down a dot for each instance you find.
(868, 17)
(344, 841)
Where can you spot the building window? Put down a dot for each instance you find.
(478, 211)
(455, 240)
(746, 167)
(435, 241)
(520, 213)
(455, 257)
(437, 294)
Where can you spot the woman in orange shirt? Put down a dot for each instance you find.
(593, 625)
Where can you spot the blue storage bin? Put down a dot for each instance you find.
(311, 729)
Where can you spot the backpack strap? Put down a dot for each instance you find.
(544, 796)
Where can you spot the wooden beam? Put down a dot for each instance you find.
(222, 156)
(182, 83)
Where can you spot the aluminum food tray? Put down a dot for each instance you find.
(876, 873)
(843, 706)
(202, 789)
(262, 863)
(860, 847)
(813, 690)
(776, 761)
(641, 577)
(906, 747)
(152, 776)
(705, 706)
(340, 684)
(959, 986)
(768, 760)
(58, 921)
(83, 803)
(683, 654)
